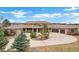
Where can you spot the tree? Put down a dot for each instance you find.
(45, 33)
(6, 23)
(45, 28)
(33, 34)
(21, 43)
(3, 40)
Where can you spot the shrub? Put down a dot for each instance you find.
(9, 33)
(21, 43)
(6, 33)
(45, 28)
(33, 34)
(45, 33)
(3, 40)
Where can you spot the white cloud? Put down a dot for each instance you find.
(71, 9)
(66, 14)
(72, 21)
(41, 15)
(16, 13)
(72, 14)
(73, 18)
(75, 14)
(3, 12)
(47, 15)
(11, 20)
(75, 21)
(56, 14)
(19, 13)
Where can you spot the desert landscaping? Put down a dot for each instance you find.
(18, 39)
(55, 39)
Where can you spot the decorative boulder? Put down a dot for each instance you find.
(38, 36)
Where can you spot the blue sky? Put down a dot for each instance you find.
(50, 14)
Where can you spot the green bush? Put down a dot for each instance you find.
(6, 33)
(33, 34)
(21, 43)
(45, 28)
(3, 40)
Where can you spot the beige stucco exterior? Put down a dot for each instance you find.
(37, 27)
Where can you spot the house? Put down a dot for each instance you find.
(37, 26)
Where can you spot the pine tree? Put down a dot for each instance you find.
(6, 23)
(3, 40)
(21, 43)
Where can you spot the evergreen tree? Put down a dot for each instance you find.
(6, 23)
(6, 33)
(3, 40)
(21, 43)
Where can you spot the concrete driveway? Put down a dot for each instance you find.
(54, 39)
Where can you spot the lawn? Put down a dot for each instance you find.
(72, 47)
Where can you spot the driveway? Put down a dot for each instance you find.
(54, 39)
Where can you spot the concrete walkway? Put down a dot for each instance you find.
(55, 39)
(11, 40)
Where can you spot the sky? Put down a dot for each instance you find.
(50, 14)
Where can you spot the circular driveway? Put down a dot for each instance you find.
(54, 39)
